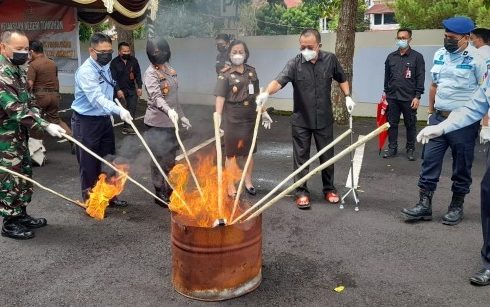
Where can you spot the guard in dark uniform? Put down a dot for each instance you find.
(403, 85)
(222, 60)
(236, 90)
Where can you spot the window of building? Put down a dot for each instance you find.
(389, 19)
(378, 19)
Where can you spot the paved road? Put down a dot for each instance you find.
(124, 260)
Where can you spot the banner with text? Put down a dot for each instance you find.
(54, 25)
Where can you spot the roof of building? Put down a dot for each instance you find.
(379, 9)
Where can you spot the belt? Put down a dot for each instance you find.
(45, 90)
(245, 102)
(443, 113)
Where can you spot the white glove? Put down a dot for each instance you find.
(428, 118)
(172, 114)
(125, 115)
(429, 133)
(186, 124)
(350, 104)
(266, 120)
(261, 99)
(55, 130)
(484, 134)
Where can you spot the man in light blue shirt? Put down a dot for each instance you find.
(457, 73)
(92, 110)
(468, 115)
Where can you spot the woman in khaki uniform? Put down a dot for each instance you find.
(236, 90)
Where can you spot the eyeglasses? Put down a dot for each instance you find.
(103, 51)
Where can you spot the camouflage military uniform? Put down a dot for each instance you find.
(17, 117)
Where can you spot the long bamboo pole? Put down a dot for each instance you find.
(247, 163)
(306, 164)
(42, 187)
(321, 167)
(155, 161)
(69, 138)
(219, 161)
(184, 152)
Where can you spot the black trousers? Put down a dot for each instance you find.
(131, 100)
(163, 143)
(301, 154)
(485, 213)
(96, 133)
(395, 109)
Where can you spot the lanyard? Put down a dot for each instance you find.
(101, 73)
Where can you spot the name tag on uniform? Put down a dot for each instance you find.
(251, 89)
(464, 66)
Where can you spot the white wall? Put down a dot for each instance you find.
(194, 60)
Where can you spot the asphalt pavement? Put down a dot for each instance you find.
(125, 259)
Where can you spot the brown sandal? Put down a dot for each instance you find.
(332, 197)
(303, 202)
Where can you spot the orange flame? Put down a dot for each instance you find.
(104, 190)
(204, 211)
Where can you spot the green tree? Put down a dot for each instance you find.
(429, 14)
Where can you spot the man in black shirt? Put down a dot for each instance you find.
(311, 73)
(403, 85)
(222, 61)
(126, 72)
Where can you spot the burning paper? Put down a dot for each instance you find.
(104, 190)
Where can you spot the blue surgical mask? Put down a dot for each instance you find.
(402, 43)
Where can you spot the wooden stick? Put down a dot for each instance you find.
(155, 160)
(69, 138)
(187, 159)
(42, 187)
(219, 161)
(306, 164)
(318, 169)
(198, 147)
(247, 163)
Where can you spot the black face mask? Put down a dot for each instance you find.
(19, 58)
(451, 44)
(125, 56)
(104, 58)
(221, 48)
(159, 58)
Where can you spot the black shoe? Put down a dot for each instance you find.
(410, 155)
(422, 210)
(454, 213)
(117, 203)
(251, 190)
(128, 130)
(30, 222)
(391, 153)
(481, 278)
(14, 230)
(159, 193)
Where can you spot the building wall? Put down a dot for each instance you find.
(194, 60)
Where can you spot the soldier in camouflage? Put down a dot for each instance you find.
(17, 117)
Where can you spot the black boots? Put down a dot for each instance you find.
(391, 153)
(454, 213)
(163, 196)
(421, 211)
(411, 155)
(12, 229)
(30, 222)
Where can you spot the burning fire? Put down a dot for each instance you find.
(204, 211)
(104, 190)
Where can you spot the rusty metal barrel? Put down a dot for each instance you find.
(219, 263)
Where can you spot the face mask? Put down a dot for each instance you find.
(19, 58)
(402, 43)
(221, 48)
(104, 58)
(308, 54)
(237, 59)
(471, 44)
(451, 44)
(125, 56)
